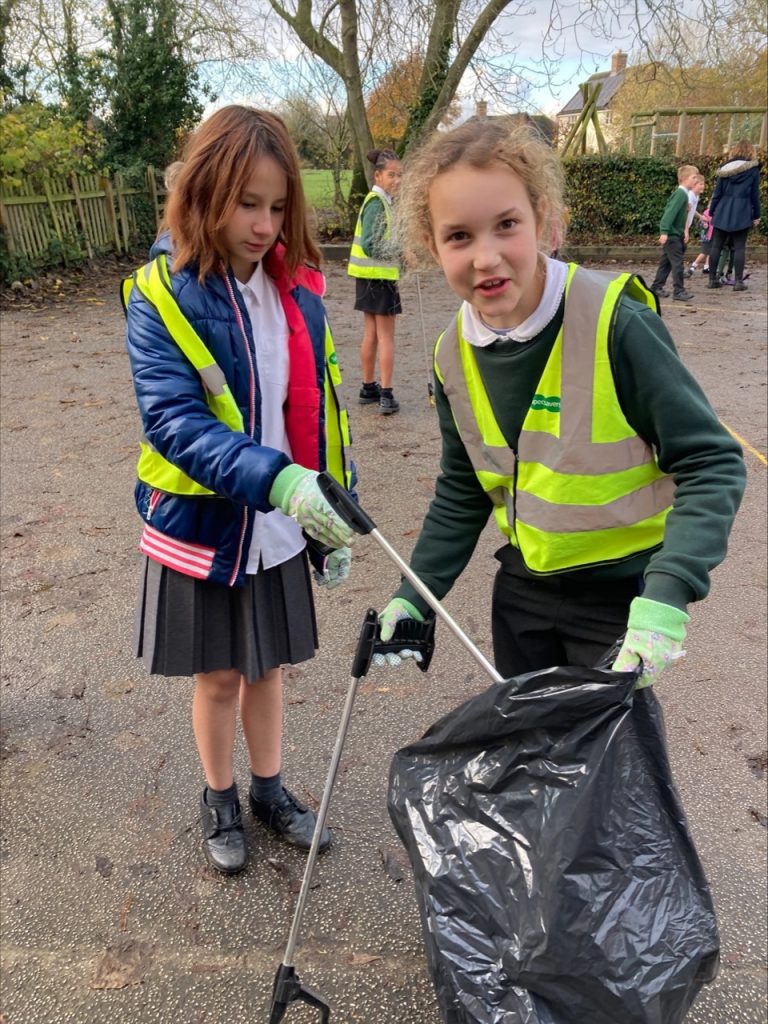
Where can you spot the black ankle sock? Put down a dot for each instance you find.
(387, 391)
(214, 797)
(370, 385)
(266, 789)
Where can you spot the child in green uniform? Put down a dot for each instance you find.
(564, 411)
(375, 264)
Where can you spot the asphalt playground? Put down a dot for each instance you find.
(108, 912)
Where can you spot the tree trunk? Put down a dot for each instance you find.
(358, 118)
(457, 67)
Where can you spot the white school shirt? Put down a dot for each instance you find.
(276, 537)
(479, 334)
(693, 202)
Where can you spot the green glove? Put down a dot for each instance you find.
(396, 611)
(337, 566)
(655, 634)
(296, 493)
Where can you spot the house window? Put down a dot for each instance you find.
(607, 117)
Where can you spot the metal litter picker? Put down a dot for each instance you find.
(410, 635)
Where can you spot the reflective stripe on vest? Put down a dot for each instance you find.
(337, 436)
(153, 281)
(362, 265)
(583, 487)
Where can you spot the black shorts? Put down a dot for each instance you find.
(372, 295)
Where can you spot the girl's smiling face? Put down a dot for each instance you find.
(485, 236)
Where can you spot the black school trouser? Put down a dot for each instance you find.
(673, 254)
(738, 241)
(538, 622)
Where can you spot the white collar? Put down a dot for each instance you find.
(380, 192)
(254, 284)
(481, 335)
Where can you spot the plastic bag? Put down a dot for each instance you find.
(556, 878)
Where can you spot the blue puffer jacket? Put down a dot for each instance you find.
(209, 537)
(735, 204)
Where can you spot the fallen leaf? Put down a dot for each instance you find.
(363, 959)
(104, 866)
(75, 690)
(123, 963)
(395, 862)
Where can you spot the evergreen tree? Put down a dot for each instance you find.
(153, 85)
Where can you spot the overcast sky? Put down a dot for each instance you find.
(574, 54)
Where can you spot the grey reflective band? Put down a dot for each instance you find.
(213, 378)
(573, 452)
(628, 510)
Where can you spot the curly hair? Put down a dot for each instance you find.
(480, 144)
(218, 163)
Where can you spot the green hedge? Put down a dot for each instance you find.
(615, 197)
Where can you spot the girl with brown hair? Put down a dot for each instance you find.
(231, 360)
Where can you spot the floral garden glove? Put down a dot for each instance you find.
(337, 566)
(396, 611)
(655, 634)
(296, 493)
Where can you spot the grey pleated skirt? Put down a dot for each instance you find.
(185, 625)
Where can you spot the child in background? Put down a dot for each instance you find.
(229, 353)
(171, 173)
(375, 264)
(674, 236)
(694, 194)
(565, 411)
(705, 242)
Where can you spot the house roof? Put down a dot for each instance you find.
(545, 126)
(609, 86)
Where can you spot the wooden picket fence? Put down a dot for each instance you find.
(86, 214)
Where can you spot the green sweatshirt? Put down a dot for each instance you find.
(675, 215)
(374, 226)
(663, 403)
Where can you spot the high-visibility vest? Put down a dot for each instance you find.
(360, 263)
(582, 488)
(154, 282)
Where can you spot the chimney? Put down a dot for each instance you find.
(618, 62)
(481, 108)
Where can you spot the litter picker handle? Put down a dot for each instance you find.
(347, 508)
(344, 505)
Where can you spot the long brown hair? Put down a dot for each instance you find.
(742, 150)
(218, 163)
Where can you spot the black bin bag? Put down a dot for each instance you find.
(556, 877)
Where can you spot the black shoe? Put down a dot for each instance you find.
(660, 293)
(739, 286)
(714, 284)
(689, 272)
(370, 394)
(290, 819)
(224, 843)
(388, 404)
(683, 296)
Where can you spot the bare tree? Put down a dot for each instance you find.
(456, 38)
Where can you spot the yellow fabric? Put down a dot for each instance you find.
(546, 551)
(153, 281)
(362, 265)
